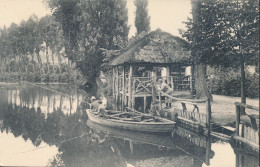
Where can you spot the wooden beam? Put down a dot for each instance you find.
(172, 85)
(184, 108)
(247, 106)
(130, 77)
(145, 103)
(237, 119)
(252, 144)
(117, 85)
(153, 88)
(208, 148)
(208, 110)
(168, 74)
(133, 94)
(179, 78)
(113, 85)
(187, 101)
(160, 101)
(123, 88)
(191, 78)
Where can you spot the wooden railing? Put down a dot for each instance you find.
(143, 84)
(245, 134)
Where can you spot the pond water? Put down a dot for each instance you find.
(42, 127)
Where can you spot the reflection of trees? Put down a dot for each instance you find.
(91, 150)
(24, 122)
(66, 132)
(31, 124)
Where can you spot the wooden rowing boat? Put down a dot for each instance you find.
(131, 121)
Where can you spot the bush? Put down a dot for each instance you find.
(45, 77)
(54, 77)
(228, 83)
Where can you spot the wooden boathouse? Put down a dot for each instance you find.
(149, 60)
(149, 75)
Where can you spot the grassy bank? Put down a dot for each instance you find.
(64, 77)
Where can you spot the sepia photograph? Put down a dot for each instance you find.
(129, 83)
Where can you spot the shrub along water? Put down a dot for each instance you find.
(66, 74)
(227, 82)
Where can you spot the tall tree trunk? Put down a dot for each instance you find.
(2, 66)
(59, 60)
(33, 62)
(52, 57)
(47, 58)
(40, 61)
(201, 86)
(243, 83)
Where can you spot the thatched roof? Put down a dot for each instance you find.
(156, 47)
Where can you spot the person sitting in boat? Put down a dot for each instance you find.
(98, 106)
(94, 103)
(154, 109)
(102, 106)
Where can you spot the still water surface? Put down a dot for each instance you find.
(40, 127)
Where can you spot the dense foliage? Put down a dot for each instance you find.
(32, 51)
(225, 34)
(224, 31)
(227, 82)
(142, 20)
(90, 27)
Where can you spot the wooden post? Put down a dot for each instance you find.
(179, 86)
(113, 77)
(123, 87)
(172, 86)
(208, 148)
(130, 76)
(237, 119)
(160, 101)
(145, 103)
(168, 74)
(241, 130)
(208, 110)
(131, 146)
(191, 78)
(117, 86)
(133, 94)
(153, 88)
(184, 108)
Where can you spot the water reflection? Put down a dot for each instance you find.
(46, 118)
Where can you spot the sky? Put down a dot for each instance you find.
(167, 15)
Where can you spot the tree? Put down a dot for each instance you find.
(224, 33)
(5, 48)
(88, 27)
(50, 30)
(245, 25)
(34, 39)
(142, 20)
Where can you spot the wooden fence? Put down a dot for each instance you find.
(192, 116)
(246, 134)
(249, 133)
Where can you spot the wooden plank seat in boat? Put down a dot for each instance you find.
(149, 120)
(134, 118)
(116, 115)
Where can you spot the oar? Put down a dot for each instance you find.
(131, 109)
